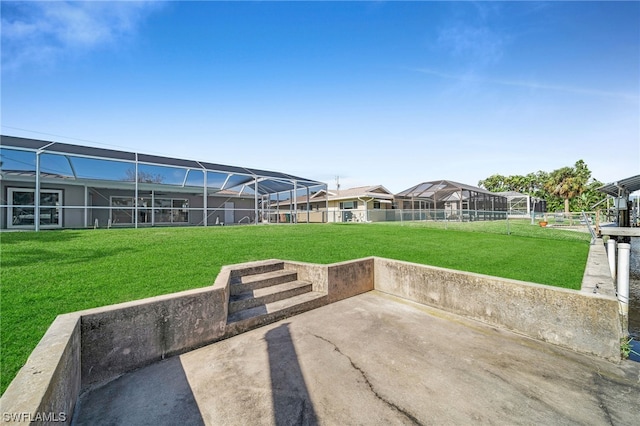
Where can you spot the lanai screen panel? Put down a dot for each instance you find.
(98, 164)
(444, 194)
(126, 187)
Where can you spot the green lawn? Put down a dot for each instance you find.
(52, 272)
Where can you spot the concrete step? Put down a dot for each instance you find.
(261, 296)
(248, 319)
(243, 284)
(259, 267)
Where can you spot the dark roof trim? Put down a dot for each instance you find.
(63, 148)
(155, 159)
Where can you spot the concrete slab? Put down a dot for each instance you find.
(372, 359)
(620, 232)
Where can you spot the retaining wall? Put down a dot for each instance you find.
(581, 321)
(88, 348)
(597, 275)
(46, 389)
(120, 338)
(339, 280)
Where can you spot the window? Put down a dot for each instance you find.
(122, 210)
(347, 205)
(22, 208)
(171, 210)
(165, 210)
(376, 204)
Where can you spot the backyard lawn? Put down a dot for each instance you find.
(53, 272)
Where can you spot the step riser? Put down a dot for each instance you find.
(236, 306)
(244, 287)
(258, 269)
(238, 327)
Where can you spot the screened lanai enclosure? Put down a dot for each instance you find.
(57, 185)
(448, 200)
(522, 205)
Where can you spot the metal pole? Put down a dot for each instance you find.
(205, 216)
(135, 200)
(295, 202)
(36, 195)
(624, 250)
(153, 210)
(291, 202)
(611, 255)
(326, 203)
(86, 210)
(255, 200)
(412, 205)
(308, 206)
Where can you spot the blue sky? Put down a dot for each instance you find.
(391, 93)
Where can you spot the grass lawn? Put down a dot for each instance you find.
(53, 272)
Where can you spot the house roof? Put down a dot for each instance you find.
(374, 192)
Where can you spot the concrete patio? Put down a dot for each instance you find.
(371, 359)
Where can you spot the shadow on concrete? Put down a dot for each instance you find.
(159, 394)
(292, 404)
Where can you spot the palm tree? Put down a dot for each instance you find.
(568, 182)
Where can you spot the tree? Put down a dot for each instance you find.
(568, 182)
(143, 177)
(494, 183)
(590, 197)
(568, 188)
(531, 183)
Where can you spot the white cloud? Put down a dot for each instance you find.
(42, 33)
(477, 43)
(472, 78)
(473, 34)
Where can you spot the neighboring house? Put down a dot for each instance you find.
(361, 204)
(445, 199)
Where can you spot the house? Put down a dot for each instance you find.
(46, 184)
(445, 199)
(360, 204)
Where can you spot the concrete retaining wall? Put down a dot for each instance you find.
(581, 321)
(47, 387)
(90, 347)
(120, 338)
(339, 280)
(86, 348)
(597, 275)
